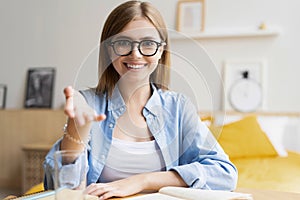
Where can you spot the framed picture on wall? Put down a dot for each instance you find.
(3, 91)
(190, 15)
(244, 85)
(40, 85)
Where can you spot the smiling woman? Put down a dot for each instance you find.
(131, 115)
(141, 50)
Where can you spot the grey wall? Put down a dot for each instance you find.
(65, 34)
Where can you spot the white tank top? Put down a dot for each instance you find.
(127, 158)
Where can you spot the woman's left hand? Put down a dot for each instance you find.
(120, 188)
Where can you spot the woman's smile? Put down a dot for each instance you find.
(135, 66)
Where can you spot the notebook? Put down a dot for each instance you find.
(180, 193)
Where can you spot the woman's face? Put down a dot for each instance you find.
(135, 66)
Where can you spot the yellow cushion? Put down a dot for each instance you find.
(244, 138)
(37, 188)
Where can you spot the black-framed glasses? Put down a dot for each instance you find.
(145, 47)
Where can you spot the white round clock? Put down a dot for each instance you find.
(245, 95)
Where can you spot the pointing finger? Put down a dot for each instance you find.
(100, 117)
(69, 106)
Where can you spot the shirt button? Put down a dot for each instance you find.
(111, 125)
(122, 109)
(102, 157)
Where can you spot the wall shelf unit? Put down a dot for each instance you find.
(222, 33)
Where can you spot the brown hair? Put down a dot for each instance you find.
(115, 22)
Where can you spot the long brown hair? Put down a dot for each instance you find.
(116, 21)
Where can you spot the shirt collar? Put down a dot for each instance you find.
(153, 105)
(116, 102)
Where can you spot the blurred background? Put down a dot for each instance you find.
(63, 34)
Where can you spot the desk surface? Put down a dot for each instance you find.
(256, 193)
(269, 194)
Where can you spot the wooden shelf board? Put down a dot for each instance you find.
(230, 33)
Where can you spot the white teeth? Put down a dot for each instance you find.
(135, 66)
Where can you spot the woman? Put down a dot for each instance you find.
(145, 137)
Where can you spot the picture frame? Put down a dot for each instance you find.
(190, 16)
(3, 91)
(40, 86)
(234, 71)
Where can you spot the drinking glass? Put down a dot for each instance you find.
(70, 174)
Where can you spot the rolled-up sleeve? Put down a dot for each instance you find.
(49, 167)
(208, 172)
(203, 163)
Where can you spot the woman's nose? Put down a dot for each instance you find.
(135, 51)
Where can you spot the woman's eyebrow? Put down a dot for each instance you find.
(123, 37)
(130, 38)
(148, 38)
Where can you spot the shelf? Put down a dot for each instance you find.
(230, 33)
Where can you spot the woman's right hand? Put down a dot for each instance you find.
(78, 111)
(80, 116)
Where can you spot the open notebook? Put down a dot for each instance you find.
(179, 193)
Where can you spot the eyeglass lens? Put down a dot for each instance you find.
(145, 47)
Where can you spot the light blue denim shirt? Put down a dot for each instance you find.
(187, 145)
